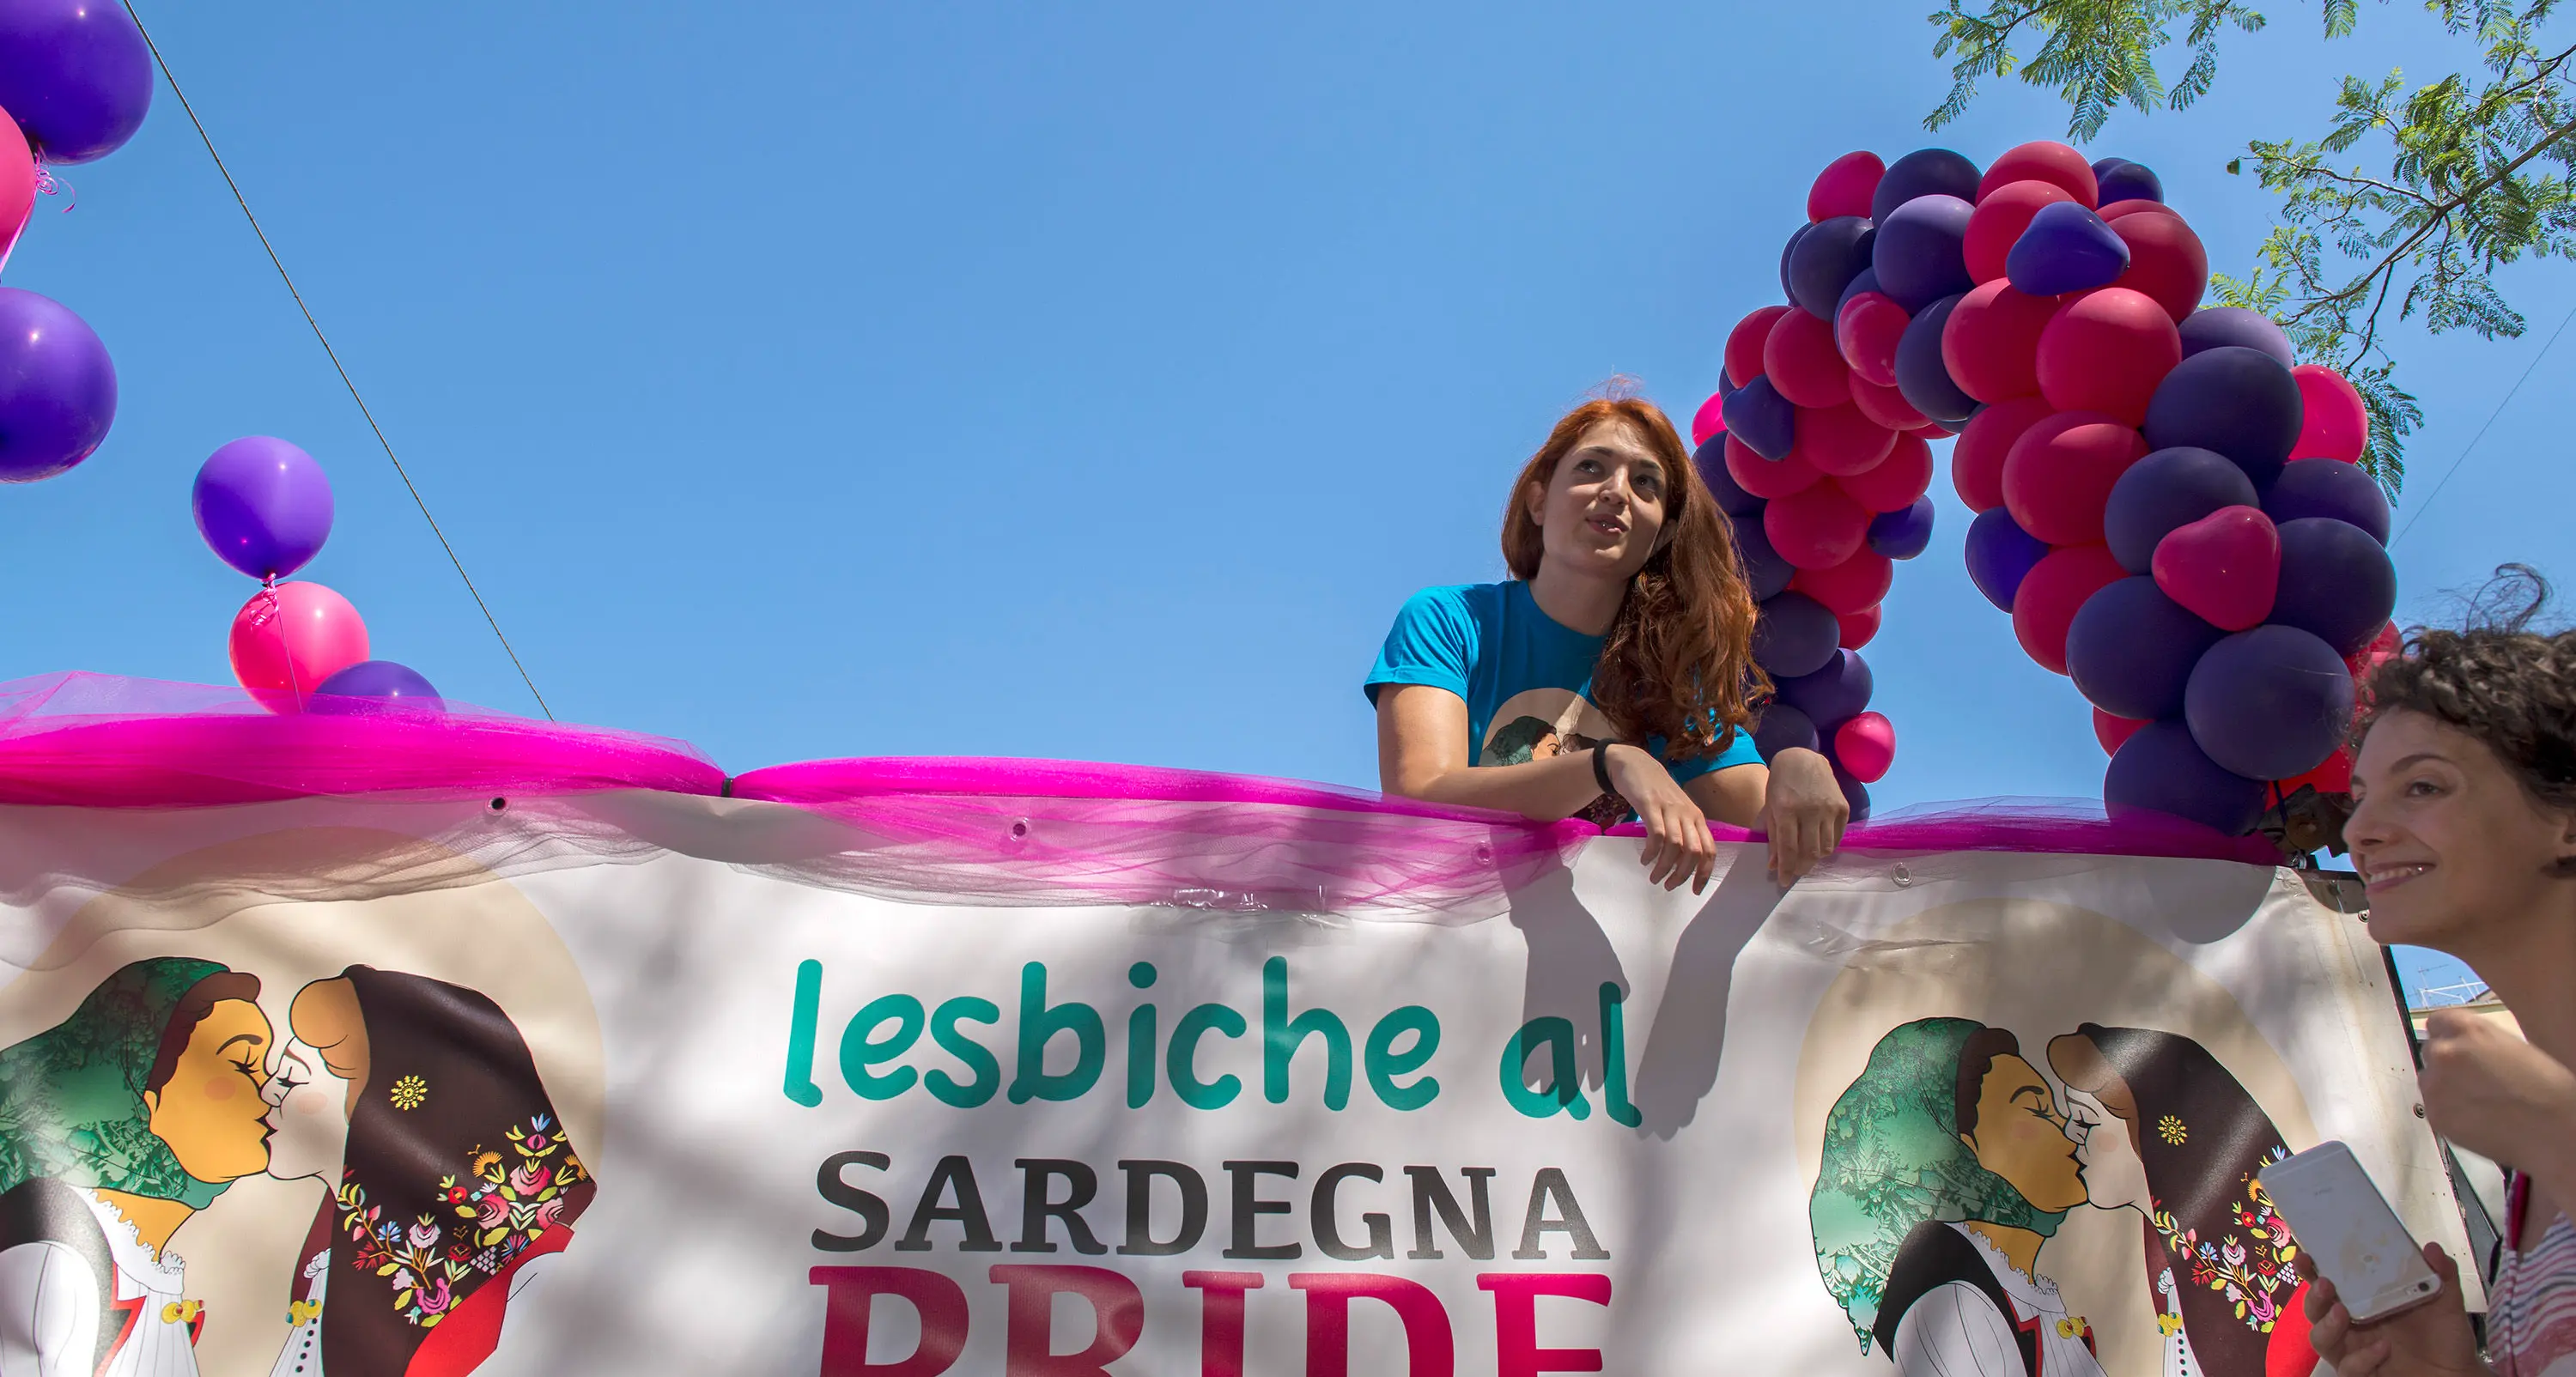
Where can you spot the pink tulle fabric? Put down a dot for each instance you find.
(963, 830)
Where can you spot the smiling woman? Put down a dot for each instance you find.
(1613, 673)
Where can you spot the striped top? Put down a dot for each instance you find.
(2531, 1306)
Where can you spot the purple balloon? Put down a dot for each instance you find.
(2104, 165)
(2129, 182)
(1794, 635)
(1921, 377)
(1923, 172)
(1765, 573)
(2337, 583)
(2328, 487)
(1781, 727)
(2130, 650)
(57, 388)
(1732, 499)
(1920, 252)
(1764, 420)
(1904, 533)
(2240, 402)
(374, 679)
(2000, 554)
(75, 75)
(2160, 769)
(1825, 260)
(263, 506)
(2066, 249)
(1787, 252)
(1833, 694)
(2216, 327)
(2164, 492)
(2269, 703)
(1855, 794)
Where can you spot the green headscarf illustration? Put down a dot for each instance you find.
(71, 1097)
(1893, 1159)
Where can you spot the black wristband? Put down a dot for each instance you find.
(1601, 772)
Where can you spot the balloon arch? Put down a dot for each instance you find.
(2169, 505)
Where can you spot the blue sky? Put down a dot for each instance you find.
(1092, 382)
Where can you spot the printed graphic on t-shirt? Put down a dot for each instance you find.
(1543, 723)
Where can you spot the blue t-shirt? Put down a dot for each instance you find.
(1527, 677)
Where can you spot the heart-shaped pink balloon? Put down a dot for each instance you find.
(2224, 568)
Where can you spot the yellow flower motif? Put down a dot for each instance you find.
(409, 1092)
(181, 1312)
(2171, 1130)
(2072, 1327)
(2168, 1325)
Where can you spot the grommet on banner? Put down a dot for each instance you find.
(499, 803)
(1904, 876)
(1019, 829)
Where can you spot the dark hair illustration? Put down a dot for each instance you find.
(456, 1167)
(1516, 741)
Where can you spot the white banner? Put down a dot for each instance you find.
(629, 1109)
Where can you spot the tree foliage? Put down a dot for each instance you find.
(2466, 173)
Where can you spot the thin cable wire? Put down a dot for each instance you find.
(2413, 516)
(334, 355)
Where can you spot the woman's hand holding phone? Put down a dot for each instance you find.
(2428, 1340)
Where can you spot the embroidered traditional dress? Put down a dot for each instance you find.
(55, 1321)
(1956, 1330)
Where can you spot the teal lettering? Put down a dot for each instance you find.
(1281, 1036)
(1385, 1063)
(1565, 1088)
(800, 1035)
(860, 1049)
(1039, 1025)
(1181, 1063)
(976, 1057)
(1614, 1060)
(1140, 1040)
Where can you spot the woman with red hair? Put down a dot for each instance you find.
(1612, 673)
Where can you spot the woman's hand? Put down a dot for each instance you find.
(1803, 813)
(2429, 1340)
(2489, 1091)
(1678, 843)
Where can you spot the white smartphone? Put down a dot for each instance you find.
(2347, 1232)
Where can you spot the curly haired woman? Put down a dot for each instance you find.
(1612, 673)
(2464, 830)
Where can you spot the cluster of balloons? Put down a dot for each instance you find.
(75, 83)
(264, 507)
(2168, 507)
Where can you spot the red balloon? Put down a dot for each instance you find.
(1885, 405)
(1990, 344)
(1858, 627)
(2001, 216)
(2044, 160)
(1845, 186)
(1893, 484)
(18, 182)
(1709, 420)
(2224, 568)
(1977, 461)
(1846, 588)
(2336, 425)
(2111, 731)
(1744, 343)
(1866, 330)
(1931, 431)
(1799, 358)
(1817, 527)
(2045, 604)
(2166, 262)
(2333, 777)
(2106, 351)
(1865, 746)
(2059, 475)
(2121, 209)
(290, 638)
(1768, 479)
(1840, 441)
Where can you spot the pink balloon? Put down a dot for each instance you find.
(2336, 424)
(290, 638)
(2225, 567)
(1865, 747)
(1709, 420)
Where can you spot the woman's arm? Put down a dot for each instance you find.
(1794, 802)
(1422, 754)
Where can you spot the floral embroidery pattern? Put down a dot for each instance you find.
(503, 1202)
(409, 1093)
(2172, 1131)
(2255, 1267)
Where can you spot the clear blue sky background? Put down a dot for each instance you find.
(1093, 382)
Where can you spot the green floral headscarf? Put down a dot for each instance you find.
(1893, 1159)
(71, 1097)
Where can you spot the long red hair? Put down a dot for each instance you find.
(1678, 660)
